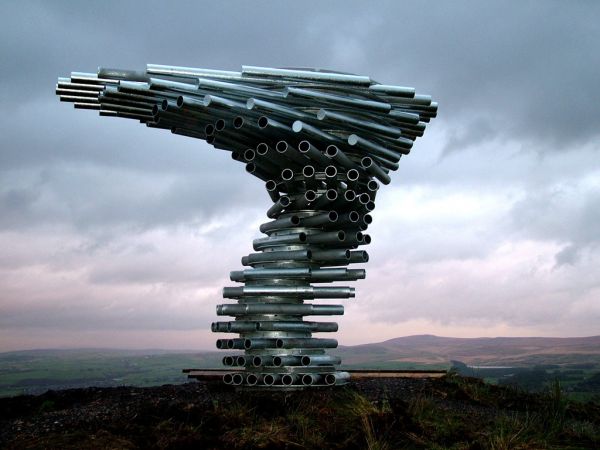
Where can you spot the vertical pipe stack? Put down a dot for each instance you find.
(322, 142)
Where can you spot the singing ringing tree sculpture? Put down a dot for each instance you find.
(322, 142)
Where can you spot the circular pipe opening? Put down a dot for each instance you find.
(180, 101)
(277, 362)
(250, 167)
(230, 343)
(370, 205)
(257, 361)
(209, 129)
(213, 327)
(364, 198)
(310, 195)
(238, 122)
(366, 162)
(330, 171)
(331, 194)
(284, 201)
(352, 175)
(330, 379)
(220, 125)
(341, 235)
(302, 236)
(262, 148)
(227, 378)
(353, 216)
(279, 342)
(349, 195)
(304, 146)
(367, 238)
(251, 379)
(295, 220)
(308, 255)
(368, 219)
(347, 254)
(221, 344)
(237, 379)
(281, 146)
(308, 171)
(287, 379)
(268, 379)
(240, 361)
(333, 216)
(287, 174)
(155, 110)
(249, 154)
(372, 185)
(305, 361)
(307, 379)
(271, 185)
(247, 344)
(164, 105)
(331, 151)
(228, 361)
(263, 121)
(359, 236)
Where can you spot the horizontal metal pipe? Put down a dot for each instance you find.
(301, 273)
(318, 219)
(345, 119)
(177, 71)
(286, 360)
(338, 99)
(320, 360)
(328, 237)
(276, 308)
(337, 378)
(305, 292)
(287, 326)
(253, 71)
(330, 255)
(279, 240)
(278, 224)
(306, 343)
(260, 343)
(276, 256)
(396, 91)
(360, 256)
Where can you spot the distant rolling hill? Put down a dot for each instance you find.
(501, 351)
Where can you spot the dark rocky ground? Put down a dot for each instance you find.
(451, 412)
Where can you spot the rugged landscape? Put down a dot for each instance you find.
(528, 363)
(450, 412)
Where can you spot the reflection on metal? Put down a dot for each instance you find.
(322, 142)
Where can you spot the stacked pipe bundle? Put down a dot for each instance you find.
(322, 142)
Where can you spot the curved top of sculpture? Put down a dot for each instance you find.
(298, 115)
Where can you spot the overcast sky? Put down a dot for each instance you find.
(115, 235)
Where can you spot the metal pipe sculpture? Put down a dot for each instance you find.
(322, 142)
